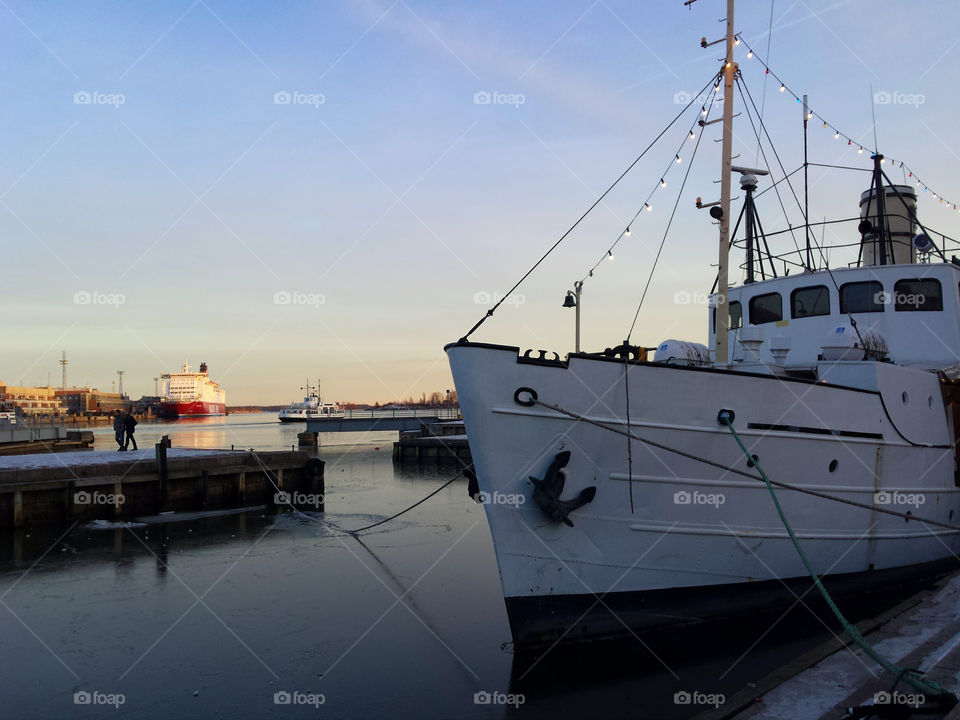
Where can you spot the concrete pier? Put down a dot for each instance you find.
(434, 442)
(23, 439)
(63, 487)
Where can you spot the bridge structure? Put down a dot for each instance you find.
(389, 419)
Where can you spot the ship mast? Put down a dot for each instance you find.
(722, 313)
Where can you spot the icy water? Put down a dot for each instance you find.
(233, 616)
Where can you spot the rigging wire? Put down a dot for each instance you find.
(626, 355)
(763, 101)
(596, 202)
(838, 134)
(745, 92)
(666, 231)
(701, 118)
(766, 162)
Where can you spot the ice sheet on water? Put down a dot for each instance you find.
(112, 525)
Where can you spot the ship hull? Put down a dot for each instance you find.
(543, 620)
(192, 409)
(696, 541)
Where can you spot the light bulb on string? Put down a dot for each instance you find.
(609, 254)
(648, 207)
(678, 159)
(860, 151)
(626, 233)
(736, 41)
(703, 111)
(663, 183)
(749, 54)
(782, 87)
(836, 135)
(693, 135)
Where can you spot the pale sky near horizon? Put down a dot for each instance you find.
(294, 190)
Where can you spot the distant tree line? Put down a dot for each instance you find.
(435, 399)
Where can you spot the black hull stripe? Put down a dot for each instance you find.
(815, 431)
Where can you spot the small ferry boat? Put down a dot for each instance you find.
(313, 407)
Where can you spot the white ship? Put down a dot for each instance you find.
(189, 394)
(646, 513)
(312, 408)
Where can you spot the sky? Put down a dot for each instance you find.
(335, 189)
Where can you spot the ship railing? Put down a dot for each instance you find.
(822, 250)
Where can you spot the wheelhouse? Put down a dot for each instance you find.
(915, 308)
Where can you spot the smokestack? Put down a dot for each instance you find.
(898, 220)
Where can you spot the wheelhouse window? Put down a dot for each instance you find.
(766, 308)
(735, 317)
(861, 297)
(918, 294)
(810, 301)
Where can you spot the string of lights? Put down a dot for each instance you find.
(677, 159)
(837, 133)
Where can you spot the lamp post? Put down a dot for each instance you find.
(572, 300)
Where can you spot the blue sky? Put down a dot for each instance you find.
(382, 200)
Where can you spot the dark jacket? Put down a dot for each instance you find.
(119, 423)
(129, 423)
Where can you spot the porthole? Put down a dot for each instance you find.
(833, 465)
(754, 461)
(904, 397)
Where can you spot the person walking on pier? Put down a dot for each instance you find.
(129, 423)
(119, 427)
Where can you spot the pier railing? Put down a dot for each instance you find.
(443, 413)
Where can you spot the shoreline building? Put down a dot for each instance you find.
(90, 401)
(32, 401)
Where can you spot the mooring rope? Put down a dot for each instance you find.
(419, 502)
(286, 497)
(737, 471)
(911, 677)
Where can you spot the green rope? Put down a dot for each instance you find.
(912, 677)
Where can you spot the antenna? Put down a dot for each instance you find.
(120, 374)
(873, 115)
(64, 362)
(806, 185)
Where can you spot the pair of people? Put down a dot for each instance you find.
(123, 429)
